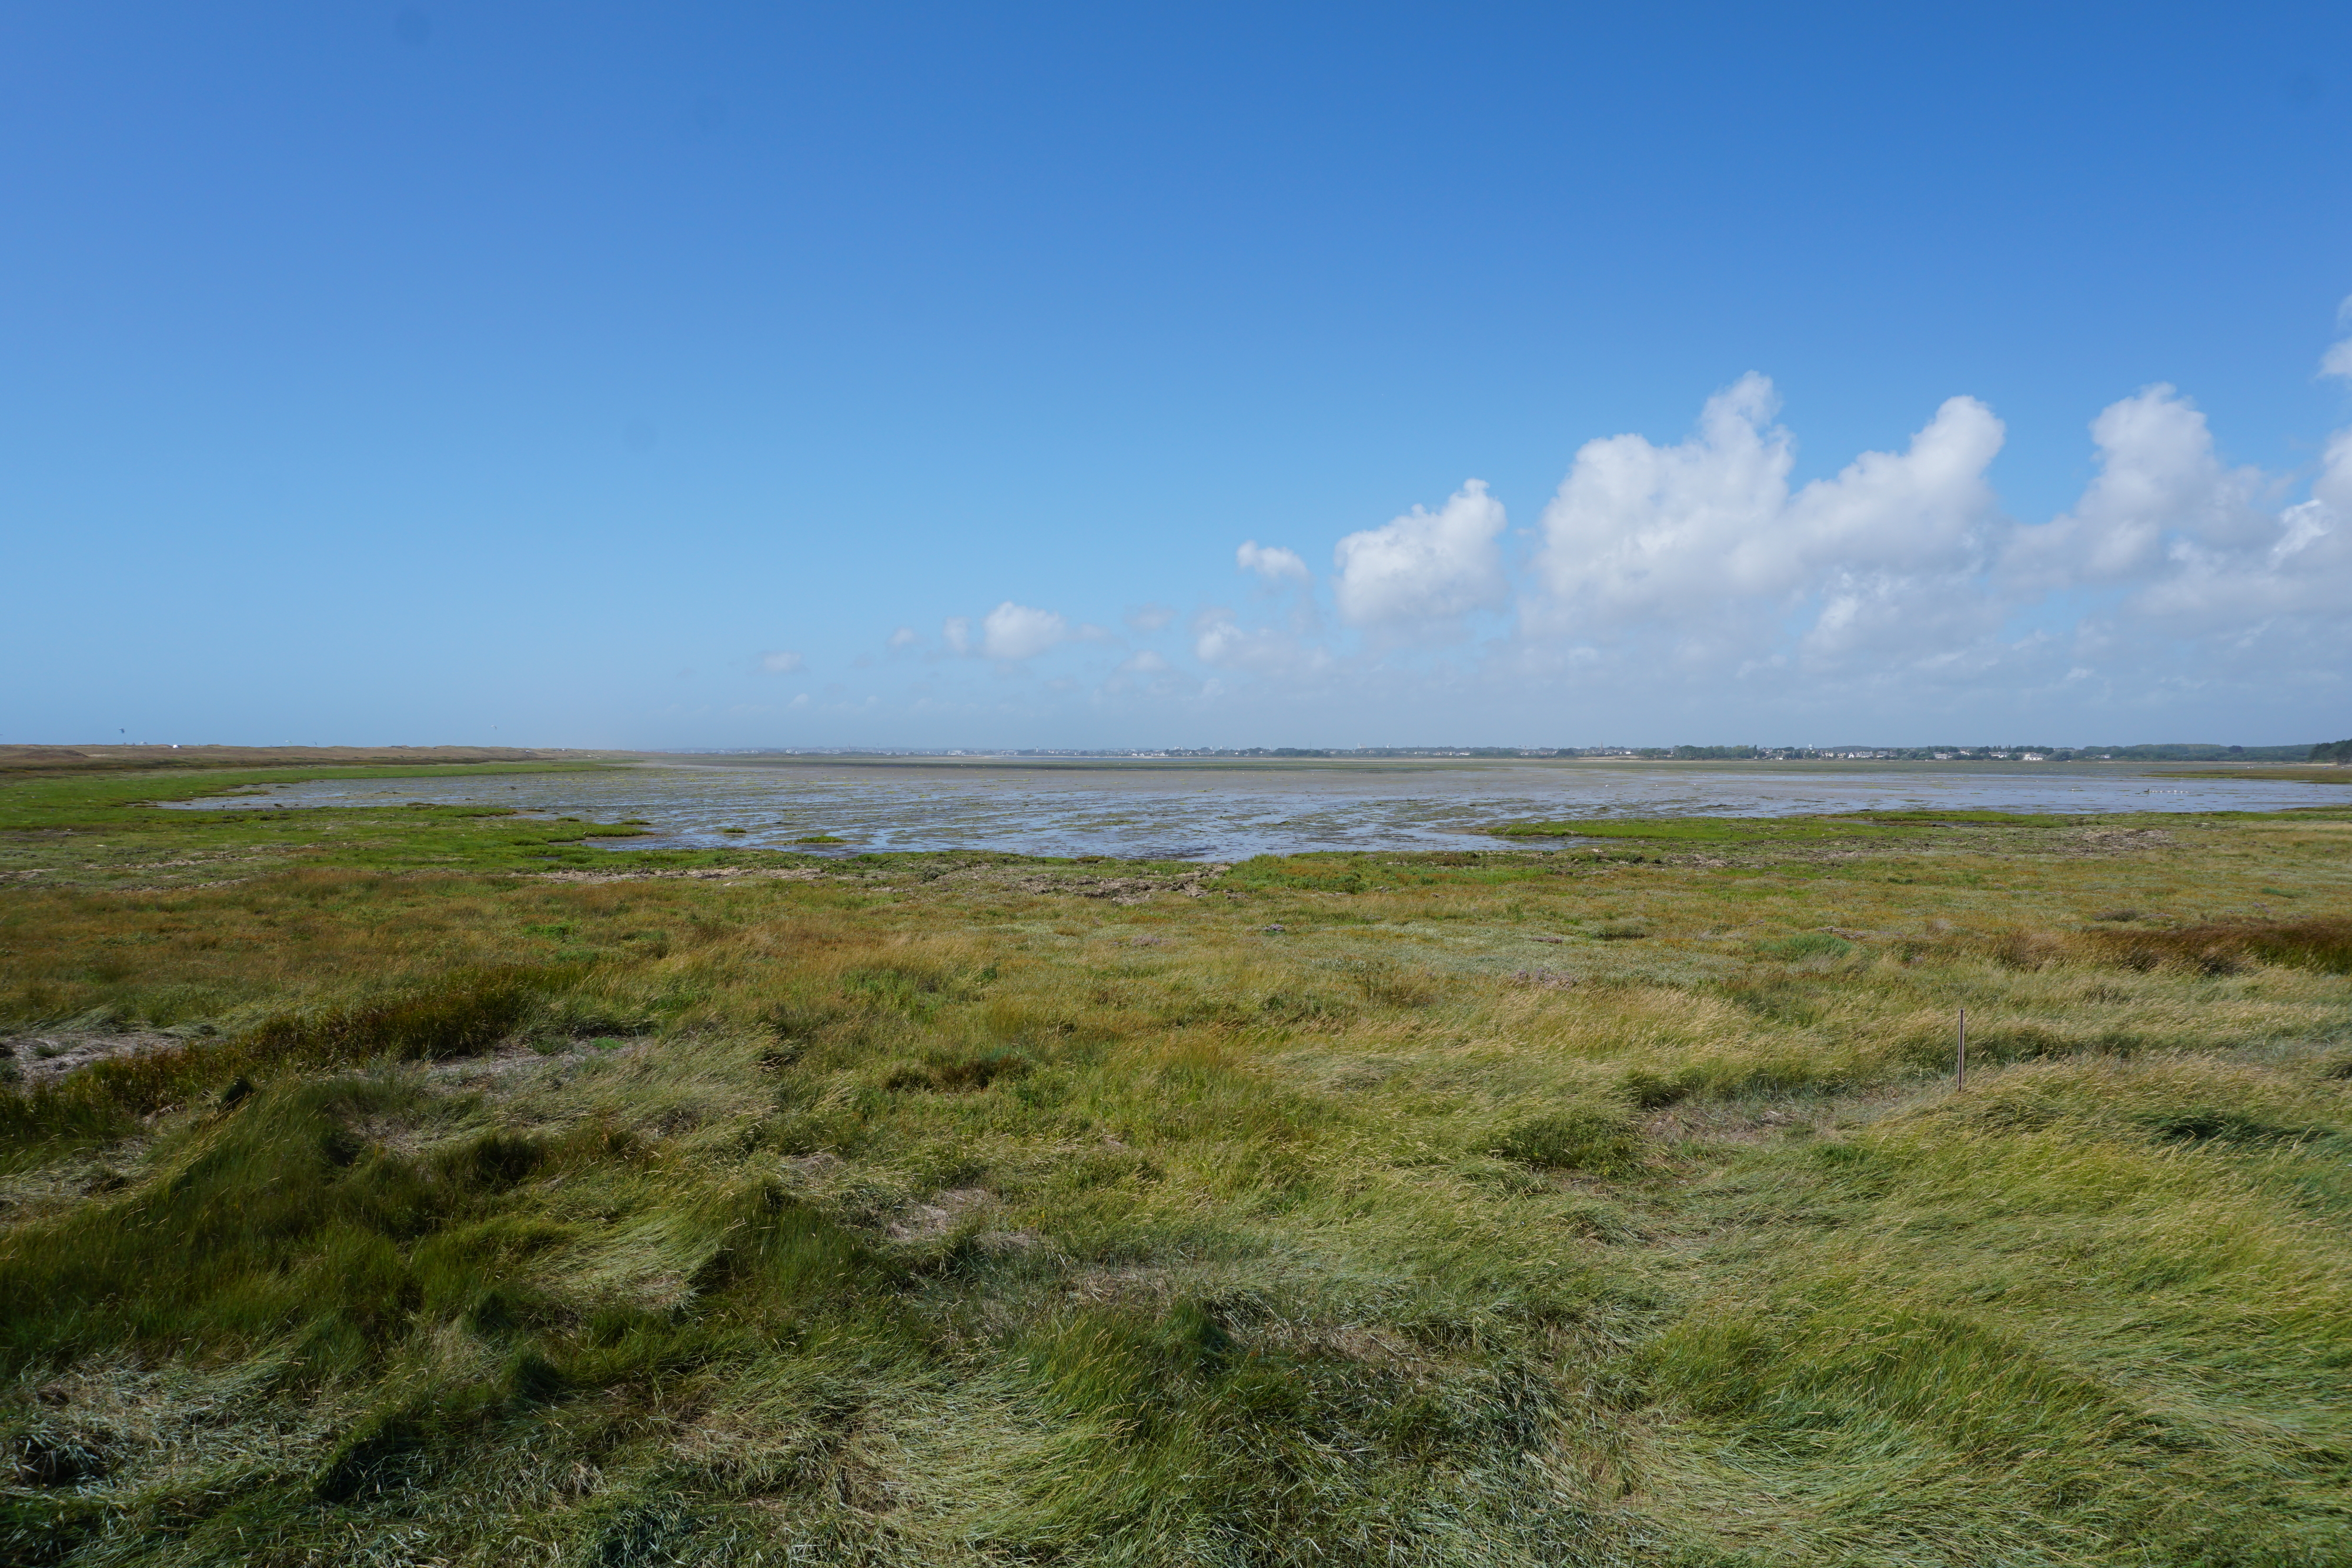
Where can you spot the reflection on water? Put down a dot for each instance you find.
(1193, 813)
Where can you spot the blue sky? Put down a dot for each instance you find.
(754, 375)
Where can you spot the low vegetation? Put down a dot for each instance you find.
(441, 1187)
(82, 760)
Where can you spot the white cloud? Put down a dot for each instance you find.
(1013, 632)
(1148, 675)
(780, 663)
(1706, 538)
(2333, 488)
(1424, 567)
(1272, 563)
(2296, 563)
(1695, 579)
(1923, 509)
(1640, 529)
(2337, 359)
(2208, 556)
(904, 637)
(2158, 482)
(1219, 640)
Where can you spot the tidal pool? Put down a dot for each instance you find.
(1178, 811)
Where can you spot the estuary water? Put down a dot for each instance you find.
(1176, 811)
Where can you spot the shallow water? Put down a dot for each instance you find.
(1172, 812)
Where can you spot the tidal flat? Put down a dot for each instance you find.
(1231, 808)
(449, 1183)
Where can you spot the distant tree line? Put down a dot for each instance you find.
(2332, 751)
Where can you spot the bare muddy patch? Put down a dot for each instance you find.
(45, 1056)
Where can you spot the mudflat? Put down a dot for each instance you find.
(1233, 808)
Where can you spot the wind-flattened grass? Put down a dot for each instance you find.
(2055, 1281)
(280, 1213)
(459, 1013)
(929, 1209)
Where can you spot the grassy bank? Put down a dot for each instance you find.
(441, 1188)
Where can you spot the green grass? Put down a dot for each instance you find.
(1506, 1207)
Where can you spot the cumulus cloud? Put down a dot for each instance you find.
(1637, 529)
(2158, 484)
(1424, 567)
(1705, 534)
(1013, 632)
(1697, 571)
(904, 637)
(1902, 573)
(1272, 563)
(782, 663)
(2258, 565)
(2203, 551)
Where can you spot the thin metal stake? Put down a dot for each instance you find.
(1960, 1078)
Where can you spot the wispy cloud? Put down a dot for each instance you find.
(2338, 360)
(1272, 563)
(1010, 634)
(1221, 642)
